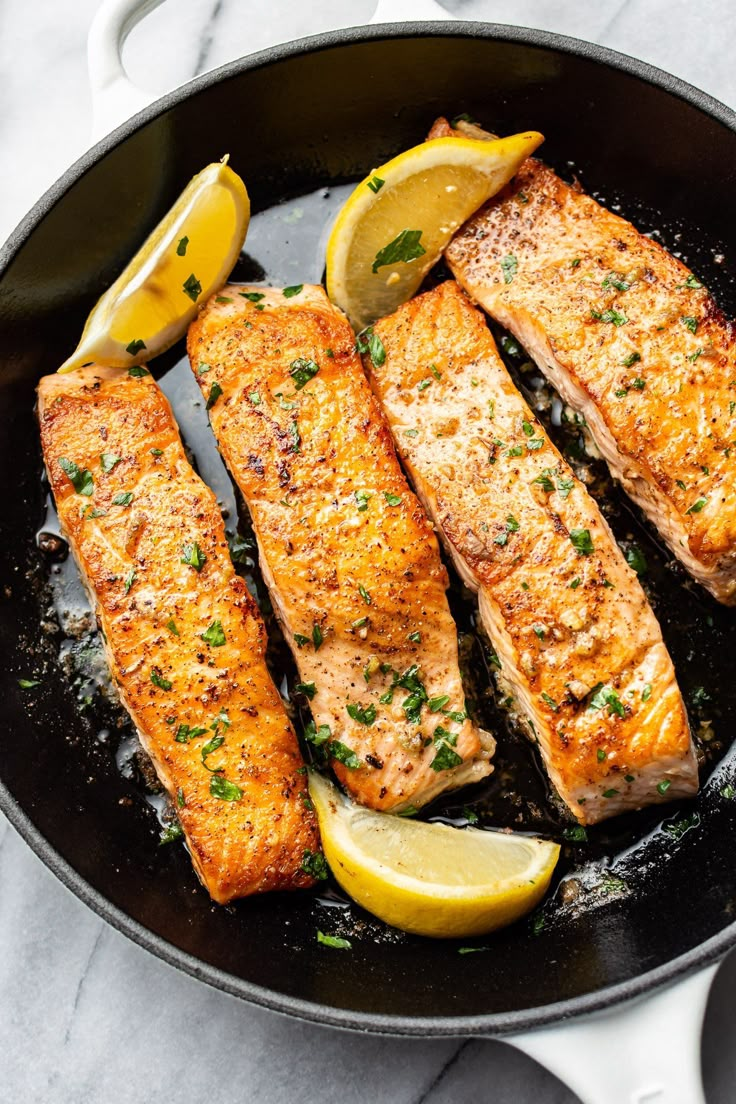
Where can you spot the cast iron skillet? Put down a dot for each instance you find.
(293, 119)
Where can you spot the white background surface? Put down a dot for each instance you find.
(85, 1016)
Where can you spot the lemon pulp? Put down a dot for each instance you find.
(430, 879)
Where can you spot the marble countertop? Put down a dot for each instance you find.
(86, 1016)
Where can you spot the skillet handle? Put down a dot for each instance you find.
(114, 96)
(644, 1052)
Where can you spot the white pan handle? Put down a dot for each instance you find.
(409, 11)
(114, 96)
(643, 1052)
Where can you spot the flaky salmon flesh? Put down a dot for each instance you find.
(184, 639)
(351, 561)
(631, 339)
(579, 647)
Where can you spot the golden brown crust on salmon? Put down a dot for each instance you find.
(631, 339)
(184, 639)
(351, 561)
(578, 643)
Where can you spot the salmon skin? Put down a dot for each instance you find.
(184, 639)
(631, 339)
(580, 649)
(351, 561)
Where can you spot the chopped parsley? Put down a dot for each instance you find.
(618, 318)
(138, 371)
(375, 184)
(545, 482)
(293, 431)
(415, 637)
(335, 940)
(690, 323)
(108, 461)
(158, 680)
(192, 288)
(632, 358)
(224, 790)
(364, 594)
(80, 478)
(446, 758)
(130, 578)
(581, 541)
(223, 299)
(343, 754)
(308, 689)
(697, 506)
(214, 635)
(636, 559)
(317, 736)
(663, 786)
(613, 279)
(302, 371)
(605, 695)
(577, 834)
(554, 706)
(171, 832)
(392, 499)
(369, 342)
(692, 282)
(193, 555)
(314, 864)
(28, 684)
(203, 369)
(317, 636)
(436, 704)
(134, 347)
(509, 266)
(362, 498)
(405, 247)
(294, 289)
(181, 249)
(363, 716)
(600, 755)
(185, 733)
(646, 692)
(210, 747)
(215, 392)
(423, 384)
(252, 296)
(123, 498)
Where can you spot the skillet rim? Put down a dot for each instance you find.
(491, 1024)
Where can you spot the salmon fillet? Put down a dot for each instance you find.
(579, 646)
(631, 339)
(350, 559)
(184, 639)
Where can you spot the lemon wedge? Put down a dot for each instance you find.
(189, 255)
(429, 878)
(397, 222)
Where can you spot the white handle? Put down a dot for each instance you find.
(643, 1052)
(114, 96)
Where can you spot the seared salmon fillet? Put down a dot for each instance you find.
(631, 339)
(579, 646)
(351, 561)
(184, 639)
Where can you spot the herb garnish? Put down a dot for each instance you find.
(345, 755)
(690, 323)
(192, 288)
(317, 636)
(135, 347)
(697, 506)
(302, 371)
(606, 695)
(445, 757)
(123, 498)
(108, 460)
(636, 559)
(215, 392)
(618, 318)
(314, 864)
(613, 279)
(138, 371)
(181, 249)
(509, 265)
(185, 733)
(224, 790)
(193, 555)
(365, 716)
(214, 635)
(309, 689)
(293, 431)
(369, 342)
(290, 292)
(364, 594)
(334, 941)
(252, 296)
(28, 684)
(404, 248)
(581, 541)
(80, 478)
(392, 499)
(362, 498)
(158, 680)
(375, 184)
(129, 580)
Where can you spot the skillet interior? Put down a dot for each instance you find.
(292, 122)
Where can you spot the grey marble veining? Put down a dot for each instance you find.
(86, 1016)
